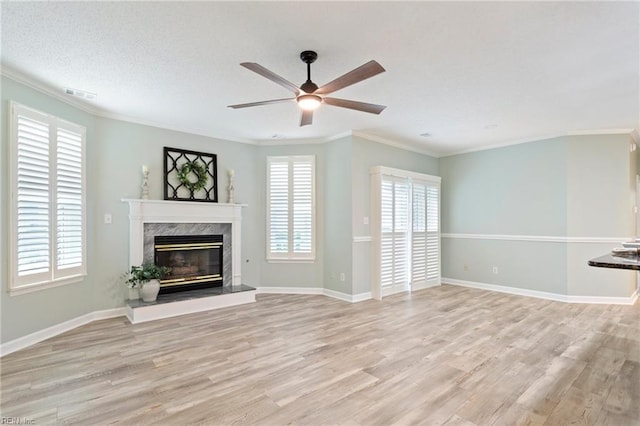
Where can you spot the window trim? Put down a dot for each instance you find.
(15, 285)
(291, 257)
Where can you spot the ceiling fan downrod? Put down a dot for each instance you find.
(308, 57)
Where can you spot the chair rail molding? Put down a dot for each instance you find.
(536, 238)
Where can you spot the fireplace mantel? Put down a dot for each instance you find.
(163, 211)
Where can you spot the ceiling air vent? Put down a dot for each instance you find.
(80, 93)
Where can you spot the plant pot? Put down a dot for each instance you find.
(134, 293)
(149, 291)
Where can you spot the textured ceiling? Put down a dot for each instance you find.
(471, 75)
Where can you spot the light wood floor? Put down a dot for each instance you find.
(447, 355)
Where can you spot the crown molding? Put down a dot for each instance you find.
(547, 136)
(505, 144)
(395, 144)
(191, 131)
(98, 112)
(600, 132)
(47, 90)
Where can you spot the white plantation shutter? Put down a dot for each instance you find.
(386, 243)
(418, 235)
(70, 200)
(47, 193)
(394, 250)
(278, 193)
(433, 233)
(32, 198)
(302, 207)
(401, 234)
(407, 238)
(291, 208)
(425, 238)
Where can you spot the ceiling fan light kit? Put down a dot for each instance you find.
(309, 102)
(309, 96)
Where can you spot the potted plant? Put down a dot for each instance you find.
(145, 277)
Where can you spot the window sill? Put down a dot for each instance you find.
(30, 288)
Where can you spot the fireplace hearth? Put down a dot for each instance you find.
(195, 261)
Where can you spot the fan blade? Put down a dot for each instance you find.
(259, 69)
(307, 117)
(363, 72)
(252, 104)
(359, 106)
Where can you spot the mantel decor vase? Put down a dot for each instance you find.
(149, 291)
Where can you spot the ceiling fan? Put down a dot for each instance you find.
(309, 96)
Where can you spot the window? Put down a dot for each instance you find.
(406, 230)
(291, 208)
(48, 246)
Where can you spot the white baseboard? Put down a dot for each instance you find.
(39, 336)
(545, 295)
(351, 298)
(290, 290)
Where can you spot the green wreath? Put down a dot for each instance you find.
(197, 169)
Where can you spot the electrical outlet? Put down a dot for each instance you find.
(495, 269)
(107, 218)
(342, 277)
(365, 220)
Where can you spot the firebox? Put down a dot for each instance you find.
(195, 261)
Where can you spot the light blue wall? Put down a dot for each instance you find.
(515, 190)
(298, 274)
(601, 174)
(565, 187)
(337, 216)
(27, 313)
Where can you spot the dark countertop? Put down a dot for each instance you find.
(616, 262)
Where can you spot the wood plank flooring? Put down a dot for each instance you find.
(446, 355)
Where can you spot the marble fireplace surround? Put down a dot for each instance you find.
(189, 217)
(152, 230)
(148, 218)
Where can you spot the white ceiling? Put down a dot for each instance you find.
(472, 75)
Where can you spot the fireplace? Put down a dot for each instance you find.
(154, 218)
(196, 261)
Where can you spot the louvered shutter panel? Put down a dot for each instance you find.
(401, 233)
(278, 207)
(33, 197)
(394, 250)
(302, 207)
(433, 233)
(418, 235)
(425, 238)
(69, 201)
(386, 242)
